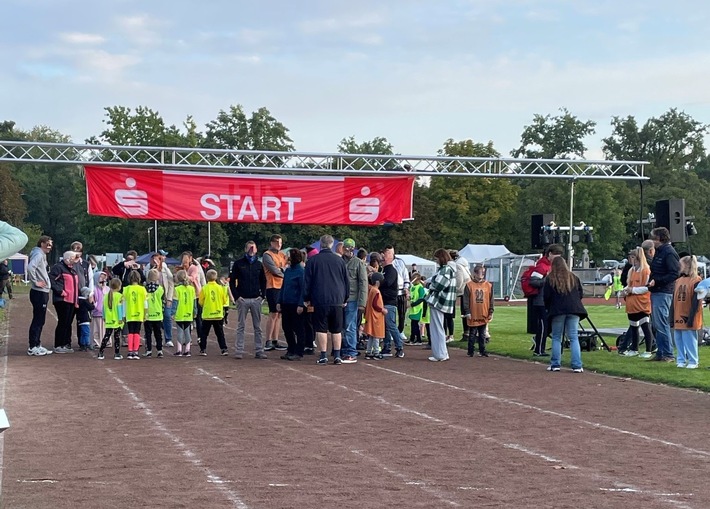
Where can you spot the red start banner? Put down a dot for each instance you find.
(190, 196)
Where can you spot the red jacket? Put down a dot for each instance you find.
(65, 283)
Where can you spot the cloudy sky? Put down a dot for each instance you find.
(415, 72)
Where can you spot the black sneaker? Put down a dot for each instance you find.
(178, 354)
(268, 347)
(470, 354)
(308, 351)
(160, 354)
(203, 353)
(399, 354)
(337, 361)
(386, 353)
(188, 354)
(225, 352)
(483, 354)
(322, 361)
(280, 348)
(100, 356)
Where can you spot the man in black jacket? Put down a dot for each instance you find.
(327, 287)
(248, 285)
(665, 269)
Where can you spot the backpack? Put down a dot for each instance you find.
(528, 290)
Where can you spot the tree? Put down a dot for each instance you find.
(471, 209)
(674, 141)
(558, 137)
(233, 130)
(673, 144)
(12, 207)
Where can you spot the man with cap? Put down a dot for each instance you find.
(357, 299)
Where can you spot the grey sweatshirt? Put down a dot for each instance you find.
(37, 269)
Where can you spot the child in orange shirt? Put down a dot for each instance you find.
(687, 314)
(478, 310)
(375, 312)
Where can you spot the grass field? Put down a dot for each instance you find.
(508, 338)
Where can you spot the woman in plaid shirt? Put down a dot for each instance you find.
(441, 299)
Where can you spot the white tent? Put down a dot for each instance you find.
(503, 268)
(479, 253)
(426, 268)
(18, 265)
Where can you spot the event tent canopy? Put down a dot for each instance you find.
(425, 267)
(479, 253)
(18, 264)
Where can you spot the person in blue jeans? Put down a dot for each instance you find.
(357, 298)
(563, 294)
(665, 269)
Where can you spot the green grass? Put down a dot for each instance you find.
(508, 338)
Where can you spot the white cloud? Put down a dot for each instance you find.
(80, 38)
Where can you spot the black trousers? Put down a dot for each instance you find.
(647, 336)
(218, 330)
(154, 327)
(415, 335)
(542, 329)
(293, 325)
(449, 324)
(477, 335)
(116, 340)
(65, 316)
(464, 321)
(401, 311)
(6, 285)
(39, 302)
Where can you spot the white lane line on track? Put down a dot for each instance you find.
(406, 479)
(5, 329)
(234, 497)
(662, 497)
(327, 436)
(511, 402)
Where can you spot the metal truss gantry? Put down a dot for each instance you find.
(307, 163)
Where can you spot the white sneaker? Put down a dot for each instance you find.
(578, 370)
(42, 351)
(680, 365)
(646, 355)
(691, 366)
(169, 344)
(403, 336)
(631, 353)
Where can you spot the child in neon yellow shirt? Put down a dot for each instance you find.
(136, 299)
(184, 313)
(114, 314)
(213, 300)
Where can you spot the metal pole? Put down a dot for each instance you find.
(641, 232)
(150, 228)
(155, 231)
(209, 237)
(570, 249)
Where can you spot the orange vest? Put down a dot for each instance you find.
(374, 320)
(683, 298)
(281, 262)
(479, 303)
(638, 303)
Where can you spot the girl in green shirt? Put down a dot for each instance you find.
(114, 314)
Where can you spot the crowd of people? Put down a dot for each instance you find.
(353, 300)
(657, 286)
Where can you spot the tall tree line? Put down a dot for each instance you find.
(448, 211)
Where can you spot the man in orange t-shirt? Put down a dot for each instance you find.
(274, 262)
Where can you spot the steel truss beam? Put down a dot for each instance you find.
(251, 161)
